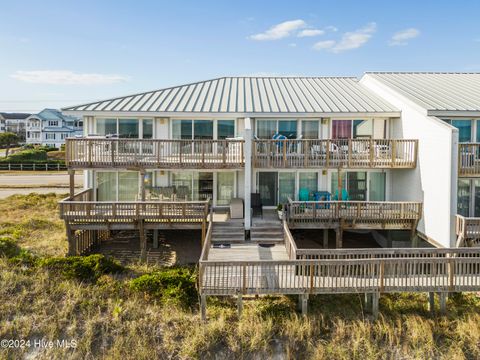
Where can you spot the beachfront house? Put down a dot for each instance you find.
(335, 155)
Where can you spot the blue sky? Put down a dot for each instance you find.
(58, 53)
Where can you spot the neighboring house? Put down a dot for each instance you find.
(14, 122)
(50, 128)
(442, 110)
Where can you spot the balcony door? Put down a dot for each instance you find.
(267, 187)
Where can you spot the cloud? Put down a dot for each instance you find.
(331, 28)
(66, 77)
(292, 45)
(321, 45)
(349, 41)
(401, 37)
(280, 31)
(355, 39)
(310, 32)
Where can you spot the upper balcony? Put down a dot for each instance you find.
(335, 153)
(84, 153)
(469, 159)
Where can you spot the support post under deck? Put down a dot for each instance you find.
(203, 307)
(442, 299)
(339, 237)
(303, 303)
(155, 238)
(71, 174)
(71, 240)
(325, 238)
(143, 241)
(375, 304)
(431, 302)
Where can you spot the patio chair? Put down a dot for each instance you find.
(182, 192)
(167, 192)
(256, 204)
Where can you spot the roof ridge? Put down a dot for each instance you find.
(424, 72)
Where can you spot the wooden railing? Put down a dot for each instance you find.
(289, 241)
(154, 153)
(399, 213)
(440, 271)
(333, 153)
(469, 159)
(81, 209)
(468, 231)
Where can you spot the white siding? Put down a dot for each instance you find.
(434, 180)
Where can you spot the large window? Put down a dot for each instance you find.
(192, 129)
(267, 128)
(464, 129)
(106, 126)
(310, 129)
(376, 190)
(117, 186)
(348, 129)
(354, 186)
(225, 129)
(125, 128)
(128, 128)
(307, 181)
(193, 185)
(463, 197)
(286, 186)
(225, 187)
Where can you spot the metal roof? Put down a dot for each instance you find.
(435, 91)
(256, 95)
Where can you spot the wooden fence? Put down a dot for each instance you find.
(32, 167)
(427, 270)
(154, 153)
(335, 153)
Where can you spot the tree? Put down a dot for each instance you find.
(7, 140)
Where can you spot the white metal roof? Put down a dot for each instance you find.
(447, 92)
(255, 95)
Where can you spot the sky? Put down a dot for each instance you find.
(62, 53)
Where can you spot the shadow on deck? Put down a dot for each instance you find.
(175, 247)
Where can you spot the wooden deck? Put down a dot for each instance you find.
(86, 153)
(353, 214)
(335, 153)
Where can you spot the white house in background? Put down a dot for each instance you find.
(441, 110)
(14, 122)
(50, 128)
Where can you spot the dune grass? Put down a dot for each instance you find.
(134, 313)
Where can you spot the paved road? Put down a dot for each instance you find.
(38, 179)
(20, 183)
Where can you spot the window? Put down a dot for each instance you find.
(225, 129)
(362, 128)
(106, 126)
(63, 136)
(463, 197)
(147, 128)
(192, 129)
(50, 136)
(193, 186)
(464, 130)
(267, 128)
(117, 186)
(225, 187)
(348, 129)
(308, 181)
(53, 123)
(376, 190)
(310, 129)
(128, 128)
(286, 186)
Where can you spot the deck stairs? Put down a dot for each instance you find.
(231, 231)
(267, 231)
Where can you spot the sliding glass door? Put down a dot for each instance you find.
(354, 186)
(267, 187)
(266, 129)
(117, 186)
(225, 187)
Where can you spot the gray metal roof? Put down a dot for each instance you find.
(251, 95)
(436, 91)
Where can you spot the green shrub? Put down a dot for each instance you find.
(8, 248)
(88, 268)
(175, 285)
(46, 148)
(29, 155)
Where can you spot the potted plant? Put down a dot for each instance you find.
(280, 211)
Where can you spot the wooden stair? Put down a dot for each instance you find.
(267, 231)
(228, 232)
